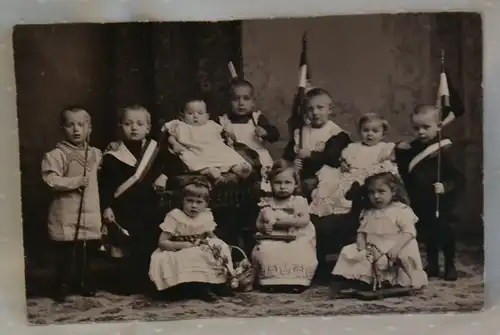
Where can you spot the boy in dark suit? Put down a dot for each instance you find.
(419, 163)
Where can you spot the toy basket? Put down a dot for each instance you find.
(245, 272)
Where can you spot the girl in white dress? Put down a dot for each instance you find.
(280, 263)
(198, 142)
(358, 161)
(188, 250)
(386, 236)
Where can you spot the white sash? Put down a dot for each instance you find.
(427, 152)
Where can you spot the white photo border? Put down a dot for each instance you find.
(12, 293)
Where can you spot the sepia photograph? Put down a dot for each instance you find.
(313, 166)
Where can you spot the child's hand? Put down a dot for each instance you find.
(360, 245)
(178, 148)
(298, 164)
(113, 146)
(344, 166)
(268, 227)
(84, 182)
(438, 188)
(160, 183)
(304, 153)
(403, 145)
(393, 253)
(260, 132)
(108, 215)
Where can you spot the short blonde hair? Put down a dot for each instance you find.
(73, 109)
(369, 117)
(427, 109)
(138, 108)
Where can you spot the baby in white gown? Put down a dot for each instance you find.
(198, 142)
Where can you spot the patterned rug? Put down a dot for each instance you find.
(466, 294)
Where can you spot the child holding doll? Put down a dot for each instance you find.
(131, 216)
(74, 222)
(289, 263)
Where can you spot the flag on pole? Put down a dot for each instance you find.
(297, 117)
(448, 99)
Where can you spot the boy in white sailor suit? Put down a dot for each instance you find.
(418, 164)
(136, 208)
(247, 126)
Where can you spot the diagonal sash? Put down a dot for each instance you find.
(433, 148)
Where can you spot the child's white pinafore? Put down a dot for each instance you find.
(382, 227)
(245, 133)
(195, 264)
(287, 263)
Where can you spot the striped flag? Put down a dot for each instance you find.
(297, 117)
(448, 99)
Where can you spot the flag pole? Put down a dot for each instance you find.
(441, 104)
(80, 213)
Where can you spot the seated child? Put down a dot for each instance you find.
(188, 250)
(250, 127)
(70, 170)
(198, 142)
(386, 237)
(318, 143)
(288, 264)
(136, 209)
(358, 161)
(418, 163)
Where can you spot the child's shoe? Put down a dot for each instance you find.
(61, 293)
(432, 269)
(207, 295)
(450, 272)
(87, 291)
(222, 291)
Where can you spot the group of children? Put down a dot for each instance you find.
(324, 185)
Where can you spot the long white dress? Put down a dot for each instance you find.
(286, 263)
(195, 264)
(382, 228)
(330, 195)
(206, 148)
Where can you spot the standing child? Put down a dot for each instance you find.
(358, 161)
(386, 236)
(320, 142)
(74, 221)
(136, 209)
(420, 163)
(289, 264)
(198, 142)
(188, 251)
(250, 127)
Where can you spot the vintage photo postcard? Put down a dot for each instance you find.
(281, 167)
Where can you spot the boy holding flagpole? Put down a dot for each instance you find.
(74, 222)
(431, 178)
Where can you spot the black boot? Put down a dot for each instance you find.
(450, 271)
(86, 288)
(63, 270)
(204, 293)
(432, 268)
(222, 290)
